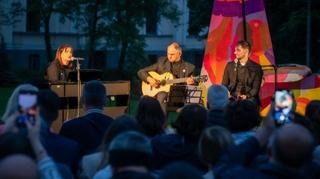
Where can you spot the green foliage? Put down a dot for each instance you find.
(287, 23)
(200, 14)
(9, 15)
(26, 76)
(116, 23)
(43, 9)
(4, 97)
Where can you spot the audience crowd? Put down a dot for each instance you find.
(220, 139)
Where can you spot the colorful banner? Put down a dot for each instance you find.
(234, 20)
(227, 28)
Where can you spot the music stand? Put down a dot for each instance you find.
(194, 94)
(181, 95)
(85, 75)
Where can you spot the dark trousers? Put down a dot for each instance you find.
(162, 97)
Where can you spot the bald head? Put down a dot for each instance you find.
(292, 145)
(174, 52)
(18, 166)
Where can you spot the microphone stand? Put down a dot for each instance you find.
(275, 69)
(78, 87)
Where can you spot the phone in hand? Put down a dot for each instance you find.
(27, 102)
(283, 102)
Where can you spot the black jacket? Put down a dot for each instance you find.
(61, 149)
(253, 78)
(169, 148)
(87, 130)
(57, 72)
(163, 65)
(236, 162)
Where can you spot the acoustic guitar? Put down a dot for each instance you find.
(165, 81)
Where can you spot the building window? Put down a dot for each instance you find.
(34, 62)
(33, 17)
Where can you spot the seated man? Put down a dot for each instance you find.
(243, 77)
(174, 64)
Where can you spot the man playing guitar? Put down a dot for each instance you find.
(172, 63)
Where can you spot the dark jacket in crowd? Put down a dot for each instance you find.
(132, 175)
(169, 148)
(61, 149)
(236, 163)
(87, 130)
(216, 118)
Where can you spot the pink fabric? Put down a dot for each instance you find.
(2, 129)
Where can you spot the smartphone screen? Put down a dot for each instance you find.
(27, 101)
(27, 106)
(283, 107)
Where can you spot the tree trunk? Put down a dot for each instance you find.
(47, 38)
(122, 58)
(92, 35)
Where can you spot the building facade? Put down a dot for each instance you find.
(25, 46)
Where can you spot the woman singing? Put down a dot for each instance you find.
(60, 67)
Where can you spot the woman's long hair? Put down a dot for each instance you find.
(13, 102)
(62, 48)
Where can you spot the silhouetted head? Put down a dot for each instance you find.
(241, 115)
(49, 103)
(218, 97)
(94, 94)
(18, 166)
(213, 142)
(150, 116)
(292, 145)
(191, 121)
(174, 52)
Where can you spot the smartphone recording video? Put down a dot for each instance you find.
(283, 107)
(27, 101)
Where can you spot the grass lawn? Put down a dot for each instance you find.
(4, 96)
(133, 104)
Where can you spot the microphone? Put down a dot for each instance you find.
(76, 58)
(236, 64)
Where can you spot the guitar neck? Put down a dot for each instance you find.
(179, 80)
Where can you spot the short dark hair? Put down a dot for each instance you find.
(120, 125)
(292, 145)
(191, 121)
(313, 111)
(244, 44)
(94, 93)
(213, 142)
(15, 142)
(130, 148)
(150, 116)
(241, 115)
(313, 116)
(49, 104)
